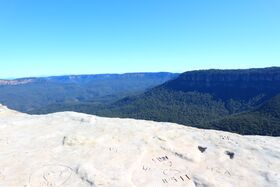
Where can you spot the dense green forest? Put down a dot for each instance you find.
(159, 105)
(264, 120)
(190, 108)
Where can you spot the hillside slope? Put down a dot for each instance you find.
(198, 97)
(70, 149)
(263, 121)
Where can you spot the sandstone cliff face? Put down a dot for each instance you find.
(15, 82)
(230, 84)
(72, 149)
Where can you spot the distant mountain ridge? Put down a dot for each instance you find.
(89, 77)
(93, 77)
(15, 81)
(31, 94)
(227, 84)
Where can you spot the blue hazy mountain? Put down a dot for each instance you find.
(32, 94)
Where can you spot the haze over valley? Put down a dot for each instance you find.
(241, 101)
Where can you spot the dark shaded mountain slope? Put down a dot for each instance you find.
(229, 84)
(199, 97)
(263, 121)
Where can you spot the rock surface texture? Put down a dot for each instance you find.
(76, 150)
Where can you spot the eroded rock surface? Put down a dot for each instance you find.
(71, 149)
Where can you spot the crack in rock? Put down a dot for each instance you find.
(83, 175)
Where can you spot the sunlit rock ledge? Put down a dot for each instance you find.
(72, 149)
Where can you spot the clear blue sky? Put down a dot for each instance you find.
(54, 37)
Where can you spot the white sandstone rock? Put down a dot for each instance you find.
(76, 150)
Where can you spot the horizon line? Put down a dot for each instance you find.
(123, 73)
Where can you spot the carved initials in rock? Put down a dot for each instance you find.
(51, 175)
(181, 178)
(146, 168)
